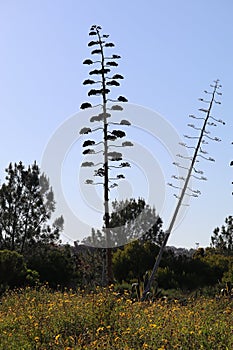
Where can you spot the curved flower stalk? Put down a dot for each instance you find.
(204, 135)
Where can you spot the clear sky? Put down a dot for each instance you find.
(171, 51)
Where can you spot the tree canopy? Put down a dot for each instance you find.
(26, 205)
(130, 220)
(222, 238)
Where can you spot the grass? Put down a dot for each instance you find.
(41, 319)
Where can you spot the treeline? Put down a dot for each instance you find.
(80, 266)
(31, 252)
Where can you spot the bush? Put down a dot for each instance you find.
(54, 264)
(13, 269)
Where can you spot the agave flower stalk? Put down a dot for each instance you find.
(104, 83)
(207, 121)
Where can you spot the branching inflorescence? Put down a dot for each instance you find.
(203, 139)
(109, 144)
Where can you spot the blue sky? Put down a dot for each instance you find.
(171, 51)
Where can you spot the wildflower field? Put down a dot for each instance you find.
(42, 319)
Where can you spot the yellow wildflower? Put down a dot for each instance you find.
(57, 338)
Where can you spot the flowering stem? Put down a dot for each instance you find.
(169, 230)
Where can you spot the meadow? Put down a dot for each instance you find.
(104, 319)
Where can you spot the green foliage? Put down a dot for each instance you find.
(26, 205)
(130, 219)
(184, 272)
(134, 260)
(32, 278)
(219, 266)
(12, 269)
(90, 265)
(228, 275)
(166, 278)
(222, 239)
(137, 220)
(55, 265)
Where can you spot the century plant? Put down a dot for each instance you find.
(202, 139)
(103, 82)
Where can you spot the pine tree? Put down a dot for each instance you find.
(26, 205)
(222, 239)
(131, 220)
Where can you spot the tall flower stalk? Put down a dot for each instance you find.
(208, 120)
(104, 82)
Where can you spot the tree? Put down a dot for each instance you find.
(104, 83)
(135, 220)
(89, 263)
(219, 265)
(55, 265)
(134, 260)
(12, 269)
(26, 205)
(130, 220)
(222, 239)
(202, 139)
